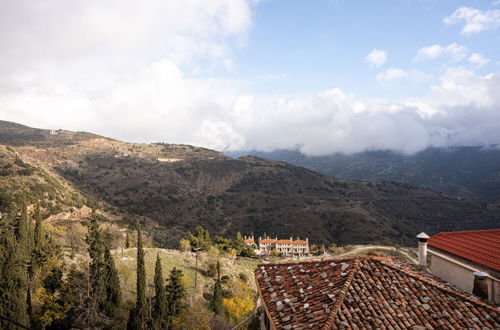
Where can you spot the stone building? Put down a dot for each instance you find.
(249, 240)
(285, 247)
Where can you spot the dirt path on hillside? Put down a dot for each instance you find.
(363, 248)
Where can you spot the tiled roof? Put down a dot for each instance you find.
(249, 240)
(480, 246)
(268, 240)
(284, 241)
(363, 293)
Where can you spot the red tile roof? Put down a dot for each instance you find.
(268, 240)
(479, 246)
(363, 293)
(284, 241)
(249, 240)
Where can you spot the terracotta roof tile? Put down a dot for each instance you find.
(362, 293)
(249, 240)
(480, 246)
(268, 240)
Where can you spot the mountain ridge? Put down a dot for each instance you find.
(466, 172)
(180, 187)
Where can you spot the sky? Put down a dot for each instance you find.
(320, 76)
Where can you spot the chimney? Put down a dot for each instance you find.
(307, 239)
(291, 238)
(422, 249)
(481, 285)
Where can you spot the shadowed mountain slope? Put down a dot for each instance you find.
(180, 187)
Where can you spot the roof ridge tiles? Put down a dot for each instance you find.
(311, 261)
(441, 287)
(342, 292)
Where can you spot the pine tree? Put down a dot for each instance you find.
(159, 307)
(139, 315)
(217, 300)
(175, 293)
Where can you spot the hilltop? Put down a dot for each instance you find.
(177, 187)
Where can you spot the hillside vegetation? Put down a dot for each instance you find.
(177, 187)
(467, 172)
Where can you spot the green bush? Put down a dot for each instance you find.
(212, 270)
(225, 279)
(243, 277)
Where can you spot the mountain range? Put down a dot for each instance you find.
(466, 172)
(174, 188)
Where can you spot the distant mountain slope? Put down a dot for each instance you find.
(469, 172)
(181, 186)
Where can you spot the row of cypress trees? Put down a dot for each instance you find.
(168, 301)
(25, 248)
(23, 252)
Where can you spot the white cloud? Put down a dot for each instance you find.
(377, 57)
(399, 77)
(456, 52)
(478, 60)
(474, 20)
(495, 3)
(391, 74)
(119, 34)
(460, 110)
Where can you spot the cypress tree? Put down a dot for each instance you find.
(37, 255)
(159, 307)
(13, 293)
(127, 240)
(175, 295)
(95, 249)
(217, 300)
(139, 315)
(112, 282)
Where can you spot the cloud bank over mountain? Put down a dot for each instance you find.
(134, 81)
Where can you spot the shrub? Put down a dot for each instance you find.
(243, 277)
(225, 279)
(212, 270)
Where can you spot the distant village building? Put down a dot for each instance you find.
(470, 260)
(250, 241)
(53, 132)
(364, 293)
(285, 247)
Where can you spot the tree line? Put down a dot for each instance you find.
(39, 289)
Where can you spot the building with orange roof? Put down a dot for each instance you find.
(364, 293)
(470, 260)
(249, 240)
(285, 247)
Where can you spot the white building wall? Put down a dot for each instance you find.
(461, 275)
(451, 272)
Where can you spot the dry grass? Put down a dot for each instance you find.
(185, 261)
